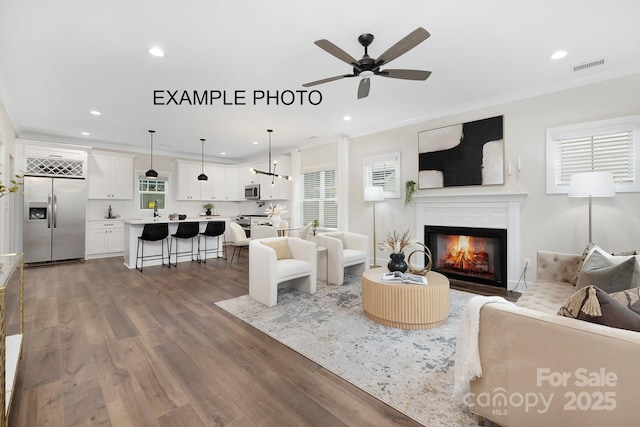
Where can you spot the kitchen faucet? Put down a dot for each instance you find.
(155, 210)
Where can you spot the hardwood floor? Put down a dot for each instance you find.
(105, 345)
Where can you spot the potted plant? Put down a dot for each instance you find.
(314, 226)
(13, 187)
(274, 213)
(208, 207)
(409, 190)
(396, 243)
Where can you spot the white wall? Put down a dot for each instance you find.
(7, 203)
(549, 222)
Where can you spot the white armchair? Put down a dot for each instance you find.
(345, 250)
(281, 262)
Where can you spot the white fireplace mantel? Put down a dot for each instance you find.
(496, 210)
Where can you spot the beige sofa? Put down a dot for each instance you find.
(541, 369)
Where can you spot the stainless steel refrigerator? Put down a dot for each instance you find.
(54, 223)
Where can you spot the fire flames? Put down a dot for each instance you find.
(466, 254)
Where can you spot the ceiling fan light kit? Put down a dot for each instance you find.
(270, 173)
(367, 67)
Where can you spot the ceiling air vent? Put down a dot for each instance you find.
(588, 65)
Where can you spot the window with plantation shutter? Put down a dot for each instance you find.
(320, 198)
(608, 145)
(383, 171)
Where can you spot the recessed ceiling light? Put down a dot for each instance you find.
(222, 153)
(95, 112)
(347, 118)
(156, 51)
(255, 143)
(85, 133)
(558, 54)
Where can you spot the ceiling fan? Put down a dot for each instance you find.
(367, 66)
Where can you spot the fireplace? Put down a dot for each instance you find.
(470, 254)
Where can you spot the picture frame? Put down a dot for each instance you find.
(464, 154)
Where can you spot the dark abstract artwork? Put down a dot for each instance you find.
(470, 153)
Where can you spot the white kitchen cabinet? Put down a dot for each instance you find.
(188, 184)
(208, 190)
(245, 177)
(106, 238)
(110, 176)
(50, 155)
(281, 188)
(221, 186)
(232, 186)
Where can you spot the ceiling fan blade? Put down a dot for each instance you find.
(336, 51)
(363, 88)
(406, 74)
(412, 40)
(327, 80)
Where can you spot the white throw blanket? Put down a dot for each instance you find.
(467, 359)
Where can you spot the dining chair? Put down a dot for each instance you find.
(239, 240)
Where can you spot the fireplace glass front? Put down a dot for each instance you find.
(476, 255)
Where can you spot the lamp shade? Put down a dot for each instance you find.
(373, 194)
(594, 184)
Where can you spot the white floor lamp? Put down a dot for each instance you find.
(374, 194)
(592, 184)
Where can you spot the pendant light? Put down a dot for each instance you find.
(151, 173)
(202, 176)
(270, 173)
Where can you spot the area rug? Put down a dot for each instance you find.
(411, 371)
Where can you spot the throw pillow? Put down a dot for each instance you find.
(612, 274)
(625, 253)
(584, 255)
(630, 298)
(281, 247)
(594, 305)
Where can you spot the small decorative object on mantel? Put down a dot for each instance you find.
(409, 191)
(396, 243)
(208, 207)
(274, 213)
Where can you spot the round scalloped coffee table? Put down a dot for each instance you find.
(403, 305)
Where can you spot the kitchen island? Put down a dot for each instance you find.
(133, 229)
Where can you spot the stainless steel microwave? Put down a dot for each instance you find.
(252, 192)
